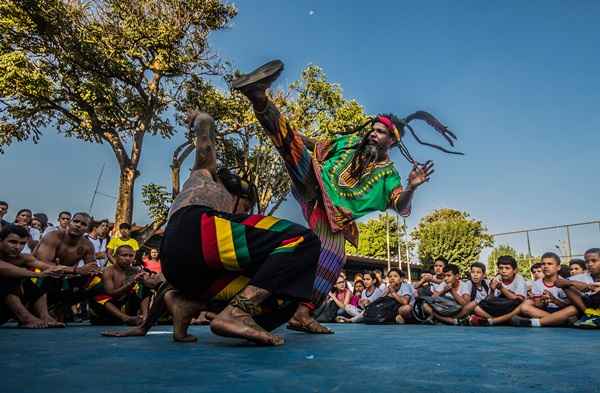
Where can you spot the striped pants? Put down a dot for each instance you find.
(211, 255)
(305, 189)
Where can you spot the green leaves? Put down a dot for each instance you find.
(453, 235)
(373, 238)
(158, 201)
(524, 262)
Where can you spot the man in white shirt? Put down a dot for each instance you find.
(64, 218)
(98, 237)
(548, 304)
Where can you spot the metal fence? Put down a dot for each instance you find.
(569, 241)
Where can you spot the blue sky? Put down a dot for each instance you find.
(518, 82)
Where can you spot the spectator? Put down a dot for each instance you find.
(3, 210)
(64, 218)
(43, 219)
(152, 261)
(403, 292)
(23, 218)
(445, 305)
(340, 295)
(98, 235)
(123, 238)
(431, 283)
(509, 289)
(577, 266)
(16, 271)
(371, 293)
(379, 274)
(536, 274)
(549, 304)
(359, 287)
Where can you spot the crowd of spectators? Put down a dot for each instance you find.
(75, 270)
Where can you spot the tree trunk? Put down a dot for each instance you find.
(124, 212)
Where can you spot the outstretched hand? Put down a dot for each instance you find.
(420, 174)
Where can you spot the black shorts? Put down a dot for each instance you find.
(592, 301)
(498, 306)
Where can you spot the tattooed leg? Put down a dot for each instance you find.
(236, 319)
(183, 310)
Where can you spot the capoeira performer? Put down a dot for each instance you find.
(252, 264)
(341, 180)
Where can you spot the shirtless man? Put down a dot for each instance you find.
(243, 261)
(66, 248)
(125, 288)
(15, 275)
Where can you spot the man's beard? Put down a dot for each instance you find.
(367, 154)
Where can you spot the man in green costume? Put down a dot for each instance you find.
(340, 180)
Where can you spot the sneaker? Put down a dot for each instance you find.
(520, 321)
(259, 79)
(588, 323)
(476, 320)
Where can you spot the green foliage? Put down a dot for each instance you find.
(524, 262)
(373, 239)
(312, 105)
(453, 235)
(102, 70)
(158, 201)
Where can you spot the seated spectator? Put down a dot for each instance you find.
(16, 300)
(445, 305)
(152, 262)
(124, 291)
(340, 295)
(403, 292)
(123, 238)
(564, 271)
(36, 223)
(432, 282)
(549, 305)
(583, 291)
(536, 274)
(64, 218)
(359, 287)
(371, 293)
(67, 248)
(23, 218)
(3, 210)
(43, 219)
(508, 290)
(98, 235)
(473, 291)
(577, 266)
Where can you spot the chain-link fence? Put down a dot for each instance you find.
(569, 241)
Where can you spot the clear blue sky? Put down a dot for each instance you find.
(517, 81)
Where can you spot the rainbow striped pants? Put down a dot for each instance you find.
(212, 255)
(305, 189)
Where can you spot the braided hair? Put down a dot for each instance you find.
(401, 124)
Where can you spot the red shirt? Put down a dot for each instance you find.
(151, 265)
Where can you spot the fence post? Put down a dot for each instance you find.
(528, 243)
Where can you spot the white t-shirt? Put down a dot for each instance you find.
(467, 286)
(406, 289)
(99, 246)
(435, 287)
(583, 277)
(376, 294)
(518, 286)
(539, 286)
(35, 235)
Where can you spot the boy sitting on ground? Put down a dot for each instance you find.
(403, 292)
(431, 283)
(124, 291)
(445, 305)
(583, 291)
(508, 290)
(549, 305)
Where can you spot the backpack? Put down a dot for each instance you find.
(485, 287)
(382, 310)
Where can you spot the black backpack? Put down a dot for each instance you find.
(382, 310)
(485, 287)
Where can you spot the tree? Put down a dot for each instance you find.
(524, 262)
(103, 71)
(373, 239)
(453, 235)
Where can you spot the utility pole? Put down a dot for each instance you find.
(387, 233)
(406, 246)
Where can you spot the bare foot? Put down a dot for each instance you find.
(303, 322)
(33, 323)
(233, 322)
(132, 332)
(53, 323)
(183, 310)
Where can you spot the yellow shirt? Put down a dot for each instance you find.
(116, 242)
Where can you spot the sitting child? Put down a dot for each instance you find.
(403, 292)
(577, 266)
(536, 274)
(445, 305)
(508, 290)
(583, 291)
(548, 304)
(124, 291)
(432, 282)
(371, 293)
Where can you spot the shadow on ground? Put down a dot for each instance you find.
(357, 358)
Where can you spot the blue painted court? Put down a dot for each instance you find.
(357, 358)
